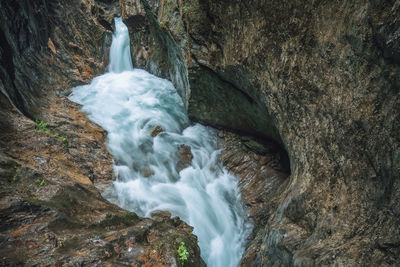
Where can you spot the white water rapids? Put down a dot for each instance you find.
(128, 103)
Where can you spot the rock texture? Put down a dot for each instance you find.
(325, 77)
(153, 47)
(262, 174)
(185, 157)
(51, 212)
(48, 43)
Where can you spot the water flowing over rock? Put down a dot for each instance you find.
(127, 103)
(185, 157)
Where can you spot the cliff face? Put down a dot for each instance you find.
(320, 77)
(48, 43)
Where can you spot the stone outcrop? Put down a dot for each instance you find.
(322, 79)
(51, 210)
(185, 157)
(156, 130)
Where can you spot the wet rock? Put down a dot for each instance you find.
(255, 146)
(160, 215)
(34, 43)
(7, 167)
(185, 157)
(152, 47)
(156, 130)
(146, 172)
(75, 219)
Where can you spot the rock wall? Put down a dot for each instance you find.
(47, 43)
(162, 44)
(153, 47)
(322, 77)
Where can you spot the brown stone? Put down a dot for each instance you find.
(156, 130)
(146, 172)
(185, 157)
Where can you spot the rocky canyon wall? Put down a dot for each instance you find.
(321, 78)
(51, 45)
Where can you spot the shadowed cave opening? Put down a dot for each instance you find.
(227, 100)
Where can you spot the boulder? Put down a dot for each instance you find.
(156, 130)
(185, 157)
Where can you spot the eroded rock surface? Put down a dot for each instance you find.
(325, 76)
(262, 177)
(46, 45)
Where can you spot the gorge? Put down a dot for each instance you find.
(305, 97)
(128, 103)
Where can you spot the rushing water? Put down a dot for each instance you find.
(128, 103)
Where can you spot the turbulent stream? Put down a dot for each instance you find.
(128, 103)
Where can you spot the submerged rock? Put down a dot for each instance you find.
(156, 130)
(185, 157)
(146, 172)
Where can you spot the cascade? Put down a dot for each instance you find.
(128, 103)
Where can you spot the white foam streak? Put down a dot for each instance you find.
(127, 103)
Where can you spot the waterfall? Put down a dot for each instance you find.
(129, 103)
(120, 53)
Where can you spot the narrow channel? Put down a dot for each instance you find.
(162, 160)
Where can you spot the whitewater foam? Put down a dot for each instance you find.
(128, 103)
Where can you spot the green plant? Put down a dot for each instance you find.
(40, 182)
(183, 254)
(42, 127)
(64, 140)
